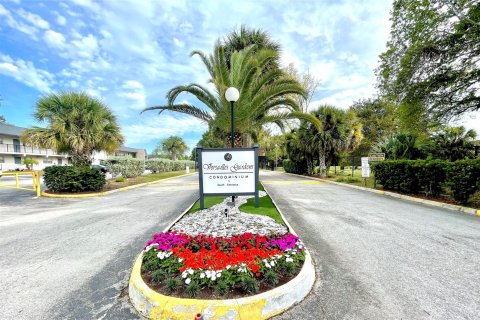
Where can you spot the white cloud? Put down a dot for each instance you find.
(178, 43)
(54, 39)
(25, 72)
(34, 19)
(135, 93)
(155, 128)
(61, 20)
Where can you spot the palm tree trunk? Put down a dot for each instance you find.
(321, 163)
(80, 160)
(174, 156)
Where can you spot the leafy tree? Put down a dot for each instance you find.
(402, 146)
(308, 82)
(261, 93)
(378, 122)
(431, 67)
(453, 144)
(29, 163)
(175, 146)
(76, 123)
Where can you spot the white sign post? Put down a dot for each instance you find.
(365, 169)
(228, 172)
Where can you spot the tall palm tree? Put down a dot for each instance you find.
(175, 146)
(264, 94)
(76, 123)
(339, 131)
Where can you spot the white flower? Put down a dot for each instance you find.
(180, 259)
(272, 263)
(184, 275)
(190, 271)
(188, 281)
(289, 260)
(202, 275)
(219, 274)
(228, 267)
(214, 277)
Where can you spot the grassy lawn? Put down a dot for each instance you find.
(266, 206)
(345, 176)
(111, 184)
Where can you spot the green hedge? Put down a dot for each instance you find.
(430, 176)
(73, 179)
(166, 165)
(294, 167)
(127, 166)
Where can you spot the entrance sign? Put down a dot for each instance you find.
(365, 167)
(228, 172)
(373, 157)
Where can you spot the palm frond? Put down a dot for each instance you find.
(183, 108)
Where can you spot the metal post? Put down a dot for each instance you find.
(16, 180)
(257, 178)
(38, 183)
(232, 136)
(200, 177)
(353, 162)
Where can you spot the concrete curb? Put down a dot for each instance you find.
(100, 194)
(432, 203)
(154, 305)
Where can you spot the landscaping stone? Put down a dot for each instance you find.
(213, 222)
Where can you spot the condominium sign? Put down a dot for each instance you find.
(228, 171)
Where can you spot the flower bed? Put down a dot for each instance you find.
(220, 267)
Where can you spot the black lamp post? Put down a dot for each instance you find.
(232, 95)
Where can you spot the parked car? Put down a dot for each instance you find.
(100, 167)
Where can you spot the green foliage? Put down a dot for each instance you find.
(294, 167)
(402, 146)
(348, 179)
(73, 179)
(271, 277)
(172, 284)
(264, 88)
(430, 67)
(463, 178)
(29, 162)
(453, 143)
(120, 179)
(127, 166)
(249, 284)
(158, 276)
(192, 289)
(378, 118)
(173, 145)
(76, 123)
(221, 288)
(166, 165)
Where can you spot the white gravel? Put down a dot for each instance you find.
(214, 222)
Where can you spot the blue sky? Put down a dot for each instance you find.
(130, 52)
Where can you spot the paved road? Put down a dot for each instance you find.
(379, 257)
(71, 258)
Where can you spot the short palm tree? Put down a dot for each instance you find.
(77, 124)
(175, 146)
(264, 94)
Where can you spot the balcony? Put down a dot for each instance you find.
(27, 150)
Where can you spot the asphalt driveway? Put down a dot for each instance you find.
(378, 257)
(71, 258)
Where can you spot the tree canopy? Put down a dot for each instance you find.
(431, 68)
(75, 123)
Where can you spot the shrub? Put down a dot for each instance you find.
(73, 179)
(412, 176)
(463, 178)
(128, 167)
(172, 284)
(348, 179)
(120, 179)
(29, 162)
(221, 288)
(249, 284)
(294, 167)
(193, 289)
(158, 276)
(271, 277)
(167, 165)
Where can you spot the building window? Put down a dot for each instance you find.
(47, 161)
(18, 160)
(1, 140)
(2, 159)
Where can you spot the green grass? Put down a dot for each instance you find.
(265, 208)
(158, 176)
(345, 176)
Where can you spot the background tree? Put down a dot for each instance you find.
(378, 122)
(174, 145)
(75, 123)
(453, 144)
(309, 83)
(431, 67)
(403, 145)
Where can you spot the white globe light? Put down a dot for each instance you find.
(232, 94)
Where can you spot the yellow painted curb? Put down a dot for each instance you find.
(478, 212)
(104, 193)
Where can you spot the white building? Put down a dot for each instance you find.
(13, 152)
